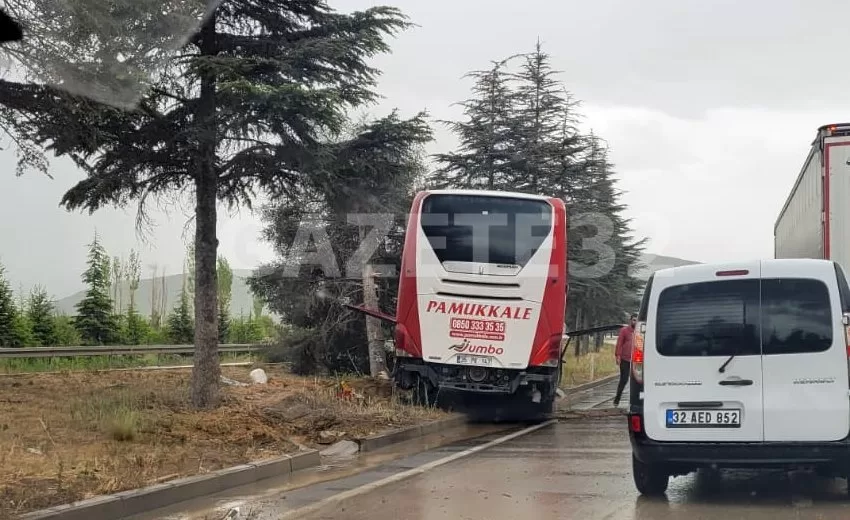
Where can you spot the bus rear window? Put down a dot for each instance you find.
(709, 319)
(495, 230)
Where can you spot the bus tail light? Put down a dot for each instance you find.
(638, 353)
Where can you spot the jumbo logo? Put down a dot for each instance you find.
(469, 348)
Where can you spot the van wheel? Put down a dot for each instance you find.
(650, 479)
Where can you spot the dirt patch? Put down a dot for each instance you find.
(72, 436)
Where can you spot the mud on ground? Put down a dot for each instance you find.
(72, 436)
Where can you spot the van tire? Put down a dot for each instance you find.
(650, 479)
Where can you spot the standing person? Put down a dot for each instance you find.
(623, 355)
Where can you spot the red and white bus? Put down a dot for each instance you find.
(482, 295)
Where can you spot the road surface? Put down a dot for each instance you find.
(579, 468)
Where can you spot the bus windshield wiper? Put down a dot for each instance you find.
(723, 366)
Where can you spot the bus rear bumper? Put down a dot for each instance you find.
(459, 378)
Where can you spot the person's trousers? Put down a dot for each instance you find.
(625, 371)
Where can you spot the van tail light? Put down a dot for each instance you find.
(638, 353)
(635, 423)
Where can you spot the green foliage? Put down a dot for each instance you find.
(7, 311)
(299, 347)
(22, 333)
(519, 133)
(40, 315)
(243, 110)
(225, 296)
(373, 169)
(157, 336)
(95, 321)
(66, 333)
(250, 329)
(138, 329)
(486, 154)
(181, 329)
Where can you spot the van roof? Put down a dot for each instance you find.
(801, 264)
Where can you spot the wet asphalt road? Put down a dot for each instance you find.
(579, 468)
(582, 470)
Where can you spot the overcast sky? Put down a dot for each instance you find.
(708, 107)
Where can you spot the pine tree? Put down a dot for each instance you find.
(239, 111)
(371, 169)
(95, 321)
(181, 330)
(22, 333)
(137, 328)
(485, 156)
(540, 107)
(546, 154)
(7, 311)
(40, 316)
(225, 295)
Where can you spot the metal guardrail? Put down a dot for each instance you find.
(128, 350)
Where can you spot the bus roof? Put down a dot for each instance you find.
(487, 193)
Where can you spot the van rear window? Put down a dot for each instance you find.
(796, 316)
(725, 317)
(709, 319)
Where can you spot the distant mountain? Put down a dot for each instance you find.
(652, 263)
(241, 302)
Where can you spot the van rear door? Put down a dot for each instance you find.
(805, 359)
(702, 355)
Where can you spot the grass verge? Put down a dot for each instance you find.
(69, 436)
(589, 367)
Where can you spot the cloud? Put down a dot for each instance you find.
(707, 189)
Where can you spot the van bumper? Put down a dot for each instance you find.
(692, 455)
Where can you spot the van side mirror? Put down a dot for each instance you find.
(845, 319)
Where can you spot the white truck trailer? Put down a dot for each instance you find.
(815, 220)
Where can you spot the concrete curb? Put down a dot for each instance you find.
(136, 501)
(380, 440)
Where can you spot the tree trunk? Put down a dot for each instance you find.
(206, 372)
(600, 339)
(374, 332)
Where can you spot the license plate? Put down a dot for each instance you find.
(720, 418)
(466, 359)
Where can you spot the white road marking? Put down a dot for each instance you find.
(366, 488)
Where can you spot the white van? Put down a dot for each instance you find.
(742, 365)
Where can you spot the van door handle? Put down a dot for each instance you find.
(737, 382)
